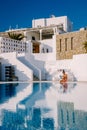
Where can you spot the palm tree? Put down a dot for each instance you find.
(85, 46)
(16, 36)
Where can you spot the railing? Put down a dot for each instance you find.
(36, 70)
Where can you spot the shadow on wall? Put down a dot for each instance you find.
(11, 73)
(46, 49)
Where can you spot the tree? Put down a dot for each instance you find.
(85, 46)
(16, 36)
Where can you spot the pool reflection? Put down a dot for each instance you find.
(7, 91)
(44, 106)
(71, 119)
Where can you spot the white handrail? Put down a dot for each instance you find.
(35, 69)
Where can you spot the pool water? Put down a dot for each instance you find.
(43, 106)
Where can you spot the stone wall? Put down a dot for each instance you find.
(69, 44)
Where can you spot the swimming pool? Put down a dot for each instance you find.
(43, 106)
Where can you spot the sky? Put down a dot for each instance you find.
(20, 13)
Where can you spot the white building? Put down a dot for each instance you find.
(11, 45)
(11, 68)
(36, 55)
(61, 21)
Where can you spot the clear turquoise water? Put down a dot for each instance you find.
(43, 106)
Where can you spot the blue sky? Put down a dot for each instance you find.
(21, 12)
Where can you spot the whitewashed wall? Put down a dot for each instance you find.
(44, 57)
(52, 21)
(46, 44)
(21, 70)
(57, 21)
(38, 23)
(29, 35)
(79, 66)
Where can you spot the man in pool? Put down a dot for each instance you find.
(64, 80)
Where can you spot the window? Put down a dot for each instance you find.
(33, 38)
(65, 44)
(71, 43)
(47, 50)
(38, 26)
(60, 45)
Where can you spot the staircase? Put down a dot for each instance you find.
(23, 72)
(36, 71)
